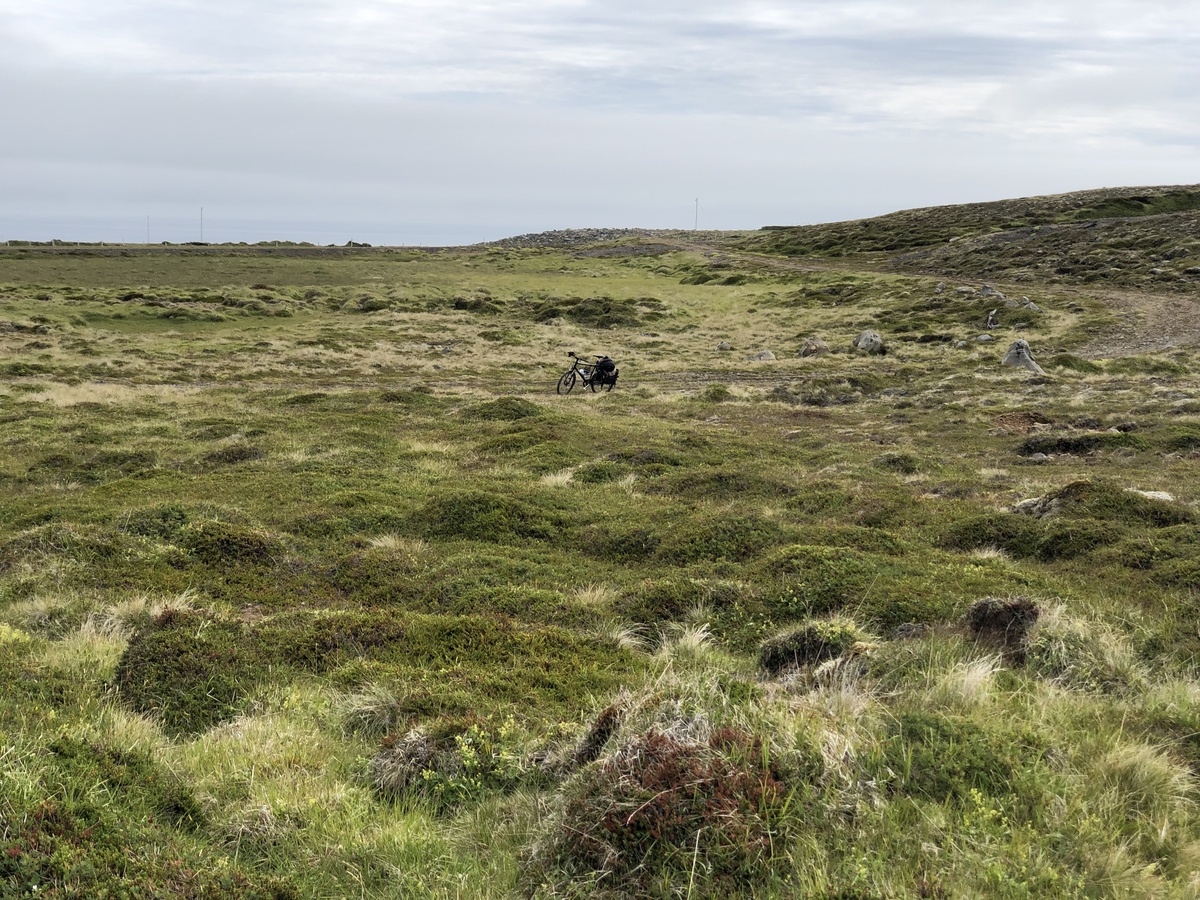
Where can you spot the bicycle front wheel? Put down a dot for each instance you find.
(567, 382)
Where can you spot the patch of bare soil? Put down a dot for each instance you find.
(1146, 323)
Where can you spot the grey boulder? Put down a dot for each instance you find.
(1020, 356)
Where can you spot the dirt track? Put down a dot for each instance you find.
(1148, 323)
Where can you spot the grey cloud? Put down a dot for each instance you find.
(486, 115)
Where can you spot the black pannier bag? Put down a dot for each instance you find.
(606, 369)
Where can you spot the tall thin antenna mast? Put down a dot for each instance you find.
(202, 224)
(696, 224)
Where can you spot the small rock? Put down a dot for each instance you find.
(1158, 271)
(941, 286)
(1153, 495)
(1192, 270)
(985, 338)
(1020, 356)
(958, 345)
(988, 291)
(964, 290)
(1088, 423)
(761, 356)
(870, 342)
(1031, 306)
(1011, 304)
(1039, 458)
(724, 345)
(814, 347)
(1037, 507)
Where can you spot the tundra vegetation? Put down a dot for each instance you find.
(311, 586)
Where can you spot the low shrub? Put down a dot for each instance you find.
(807, 644)
(716, 393)
(616, 544)
(645, 814)
(1052, 444)
(941, 758)
(1182, 439)
(663, 600)
(225, 543)
(1069, 539)
(600, 472)
(1072, 362)
(1098, 499)
(1015, 534)
(234, 454)
(902, 463)
(457, 765)
(721, 485)
(854, 537)
(1004, 622)
(506, 409)
(140, 781)
(736, 538)
(485, 516)
(817, 579)
(188, 669)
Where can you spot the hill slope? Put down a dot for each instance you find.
(1144, 237)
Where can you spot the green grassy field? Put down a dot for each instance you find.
(312, 586)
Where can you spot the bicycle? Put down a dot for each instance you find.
(594, 376)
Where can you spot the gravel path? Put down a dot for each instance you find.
(1147, 323)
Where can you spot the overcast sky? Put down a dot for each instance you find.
(454, 121)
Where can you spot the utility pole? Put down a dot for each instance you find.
(147, 230)
(202, 224)
(696, 224)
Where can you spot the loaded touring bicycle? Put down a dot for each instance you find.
(598, 376)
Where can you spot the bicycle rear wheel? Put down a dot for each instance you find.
(567, 382)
